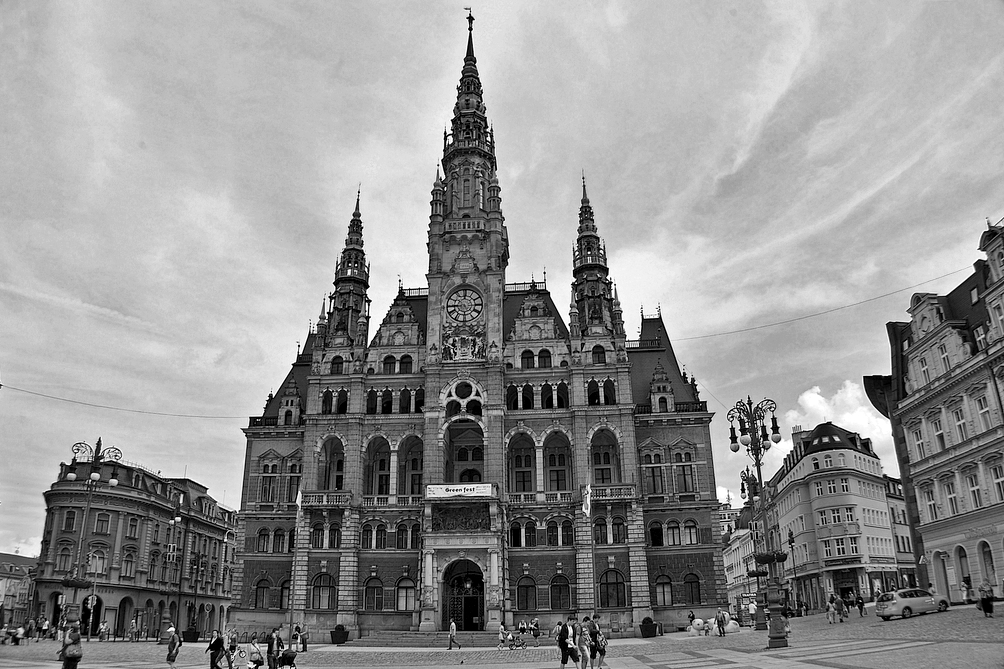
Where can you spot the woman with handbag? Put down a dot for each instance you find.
(215, 650)
(72, 650)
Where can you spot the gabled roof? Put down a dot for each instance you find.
(654, 348)
(514, 300)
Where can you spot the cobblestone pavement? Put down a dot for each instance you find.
(962, 637)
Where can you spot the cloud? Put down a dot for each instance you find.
(850, 409)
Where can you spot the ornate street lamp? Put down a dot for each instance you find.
(752, 419)
(96, 456)
(794, 571)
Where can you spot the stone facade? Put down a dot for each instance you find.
(944, 401)
(477, 458)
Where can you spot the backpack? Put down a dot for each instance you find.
(563, 632)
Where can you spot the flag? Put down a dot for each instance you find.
(299, 498)
(587, 499)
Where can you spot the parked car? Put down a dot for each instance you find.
(908, 601)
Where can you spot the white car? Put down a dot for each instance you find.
(907, 602)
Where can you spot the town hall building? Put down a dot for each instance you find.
(472, 455)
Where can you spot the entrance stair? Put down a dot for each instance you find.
(405, 639)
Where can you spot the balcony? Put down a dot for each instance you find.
(326, 499)
(273, 421)
(532, 498)
(613, 492)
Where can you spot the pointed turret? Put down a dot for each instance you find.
(349, 301)
(592, 288)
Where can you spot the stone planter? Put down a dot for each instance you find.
(649, 629)
(338, 637)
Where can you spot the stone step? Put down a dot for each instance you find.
(408, 639)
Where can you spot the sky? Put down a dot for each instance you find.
(178, 177)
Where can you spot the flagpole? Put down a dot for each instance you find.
(292, 568)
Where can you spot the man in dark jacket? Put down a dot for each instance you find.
(274, 649)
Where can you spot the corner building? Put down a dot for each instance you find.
(443, 459)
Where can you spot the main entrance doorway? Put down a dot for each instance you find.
(464, 596)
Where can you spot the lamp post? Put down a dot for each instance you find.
(753, 436)
(97, 457)
(794, 571)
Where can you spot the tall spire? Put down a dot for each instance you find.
(355, 238)
(470, 38)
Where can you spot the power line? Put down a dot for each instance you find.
(818, 313)
(111, 408)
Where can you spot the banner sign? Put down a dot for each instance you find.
(458, 490)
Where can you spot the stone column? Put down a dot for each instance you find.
(539, 456)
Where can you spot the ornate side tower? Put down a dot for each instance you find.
(596, 309)
(349, 307)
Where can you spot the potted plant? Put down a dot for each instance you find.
(756, 573)
(764, 558)
(339, 635)
(191, 635)
(648, 627)
(780, 556)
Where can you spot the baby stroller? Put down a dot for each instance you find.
(287, 659)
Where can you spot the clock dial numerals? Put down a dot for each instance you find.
(464, 305)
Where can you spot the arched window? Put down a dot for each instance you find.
(367, 537)
(655, 534)
(691, 589)
(546, 396)
(663, 591)
(544, 358)
(474, 407)
(371, 402)
(515, 535)
(337, 364)
(599, 355)
(561, 594)
(154, 566)
(326, 401)
(381, 536)
(673, 534)
(815, 463)
(373, 595)
(527, 396)
(406, 595)
(562, 396)
(102, 523)
(620, 531)
(342, 406)
(399, 318)
(387, 401)
(63, 561)
(263, 541)
(129, 565)
(552, 533)
(593, 393)
(470, 476)
(690, 533)
(279, 542)
(405, 366)
(600, 532)
(261, 598)
(609, 392)
(663, 405)
(526, 360)
(612, 590)
(526, 594)
(133, 530)
(287, 418)
(416, 532)
(452, 408)
(402, 536)
(317, 536)
(530, 534)
(97, 563)
(335, 536)
(322, 592)
(404, 404)
(389, 364)
(419, 400)
(567, 533)
(284, 595)
(512, 398)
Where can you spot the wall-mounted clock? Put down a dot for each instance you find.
(464, 305)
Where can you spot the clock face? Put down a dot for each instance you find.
(464, 305)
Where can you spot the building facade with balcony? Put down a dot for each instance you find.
(944, 401)
(475, 457)
(142, 565)
(16, 576)
(831, 495)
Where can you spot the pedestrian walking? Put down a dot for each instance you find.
(598, 649)
(861, 605)
(215, 650)
(838, 604)
(583, 640)
(566, 643)
(720, 621)
(535, 631)
(72, 650)
(987, 599)
(831, 610)
(453, 635)
(275, 646)
(502, 635)
(752, 611)
(173, 646)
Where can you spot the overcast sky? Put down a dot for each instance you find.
(177, 179)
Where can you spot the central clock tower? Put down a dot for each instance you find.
(468, 242)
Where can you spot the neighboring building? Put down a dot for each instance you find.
(943, 399)
(737, 556)
(443, 461)
(831, 494)
(140, 561)
(906, 565)
(16, 572)
(727, 517)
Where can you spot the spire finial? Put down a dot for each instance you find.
(470, 36)
(585, 198)
(359, 190)
(470, 19)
